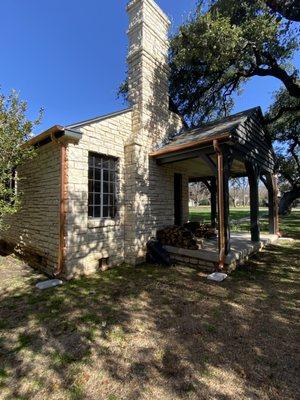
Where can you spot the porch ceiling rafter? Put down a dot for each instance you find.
(184, 155)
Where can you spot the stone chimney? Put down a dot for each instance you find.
(147, 206)
(148, 70)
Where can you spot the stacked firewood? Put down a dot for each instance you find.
(178, 236)
(201, 230)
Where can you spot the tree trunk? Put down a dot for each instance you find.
(286, 201)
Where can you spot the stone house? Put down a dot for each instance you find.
(98, 190)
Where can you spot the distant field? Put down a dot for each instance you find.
(289, 226)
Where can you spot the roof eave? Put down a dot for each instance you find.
(55, 133)
(187, 146)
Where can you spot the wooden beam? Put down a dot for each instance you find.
(226, 172)
(196, 179)
(253, 176)
(224, 157)
(206, 183)
(271, 185)
(206, 158)
(182, 156)
(213, 202)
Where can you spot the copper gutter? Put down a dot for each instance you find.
(191, 145)
(221, 216)
(48, 133)
(62, 210)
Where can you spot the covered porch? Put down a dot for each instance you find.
(235, 146)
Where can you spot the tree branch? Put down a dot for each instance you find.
(276, 71)
(282, 110)
(289, 9)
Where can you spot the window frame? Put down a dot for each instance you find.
(102, 210)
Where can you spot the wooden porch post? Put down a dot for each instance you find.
(271, 184)
(227, 164)
(223, 203)
(253, 176)
(213, 202)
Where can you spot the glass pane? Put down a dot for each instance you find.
(111, 200)
(111, 188)
(98, 162)
(112, 164)
(91, 186)
(91, 202)
(105, 187)
(97, 211)
(112, 211)
(105, 175)
(105, 199)
(105, 212)
(91, 161)
(91, 173)
(112, 176)
(105, 164)
(97, 186)
(91, 211)
(97, 174)
(97, 199)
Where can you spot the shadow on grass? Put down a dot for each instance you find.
(167, 331)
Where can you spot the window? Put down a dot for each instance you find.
(102, 186)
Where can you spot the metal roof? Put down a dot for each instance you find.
(68, 130)
(219, 129)
(98, 119)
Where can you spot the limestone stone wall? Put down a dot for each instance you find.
(89, 240)
(34, 230)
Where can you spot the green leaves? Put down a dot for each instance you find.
(15, 130)
(226, 43)
(284, 127)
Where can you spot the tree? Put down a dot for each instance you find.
(285, 130)
(226, 43)
(289, 9)
(239, 191)
(15, 130)
(199, 193)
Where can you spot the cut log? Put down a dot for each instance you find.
(178, 236)
(201, 230)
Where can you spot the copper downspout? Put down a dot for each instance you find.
(221, 216)
(62, 210)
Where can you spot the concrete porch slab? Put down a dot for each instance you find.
(241, 248)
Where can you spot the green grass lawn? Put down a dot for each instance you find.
(203, 212)
(289, 225)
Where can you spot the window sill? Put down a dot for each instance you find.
(102, 223)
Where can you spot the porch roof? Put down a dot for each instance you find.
(243, 132)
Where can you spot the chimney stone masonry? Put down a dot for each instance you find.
(148, 71)
(146, 205)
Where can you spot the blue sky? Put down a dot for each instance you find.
(69, 56)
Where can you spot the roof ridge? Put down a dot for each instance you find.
(224, 119)
(98, 118)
